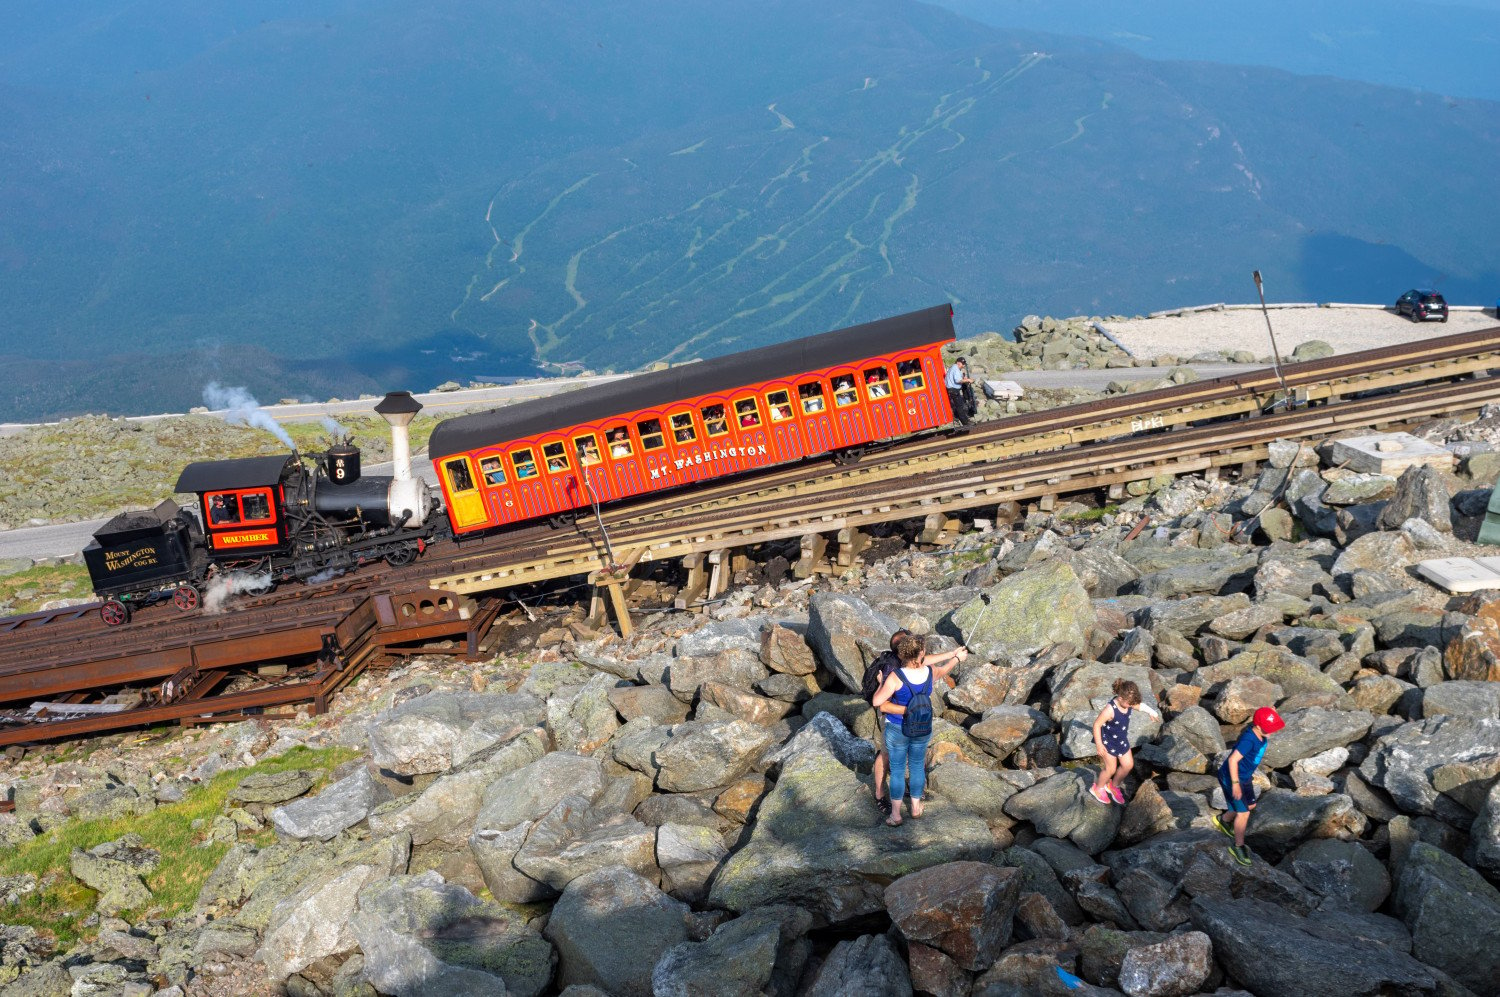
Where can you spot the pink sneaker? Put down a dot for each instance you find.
(1099, 793)
(1119, 797)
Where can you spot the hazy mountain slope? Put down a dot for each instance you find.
(341, 197)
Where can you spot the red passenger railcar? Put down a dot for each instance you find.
(695, 422)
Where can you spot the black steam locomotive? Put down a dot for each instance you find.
(264, 520)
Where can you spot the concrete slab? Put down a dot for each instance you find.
(1003, 390)
(1462, 574)
(1387, 453)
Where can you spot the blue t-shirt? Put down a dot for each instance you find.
(1251, 748)
(903, 695)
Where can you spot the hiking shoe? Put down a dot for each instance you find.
(1241, 854)
(1119, 797)
(1220, 826)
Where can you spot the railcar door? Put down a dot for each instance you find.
(656, 459)
(465, 501)
(881, 401)
(817, 420)
(849, 414)
(786, 432)
(918, 378)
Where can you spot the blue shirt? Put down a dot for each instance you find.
(1251, 748)
(956, 375)
(904, 692)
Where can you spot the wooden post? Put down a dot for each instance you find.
(697, 582)
(622, 611)
(718, 578)
(814, 545)
(851, 541)
(1047, 502)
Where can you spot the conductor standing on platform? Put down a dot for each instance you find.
(961, 391)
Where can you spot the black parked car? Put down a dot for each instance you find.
(1419, 306)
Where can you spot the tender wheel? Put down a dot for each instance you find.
(114, 613)
(401, 557)
(562, 520)
(185, 599)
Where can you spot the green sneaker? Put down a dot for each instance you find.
(1241, 854)
(1220, 826)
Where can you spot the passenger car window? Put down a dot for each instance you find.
(781, 405)
(588, 449)
(556, 456)
(619, 442)
(459, 478)
(911, 375)
(714, 423)
(651, 436)
(683, 430)
(492, 471)
(748, 413)
(525, 463)
(812, 397)
(844, 392)
(877, 382)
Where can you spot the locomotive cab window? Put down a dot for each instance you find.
(844, 392)
(682, 428)
(877, 382)
(525, 463)
(556, 456)
(714, 423)
(588, 449)
(224, 510)
(619, 442)
(812, 397)
(459, 478)
(492, 471)
(255, 507)
(748, 413)
(911, 375)
(781, 405)
(651, 435)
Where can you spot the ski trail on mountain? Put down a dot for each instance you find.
(1078, 122)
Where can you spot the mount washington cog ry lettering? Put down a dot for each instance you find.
(141, 557)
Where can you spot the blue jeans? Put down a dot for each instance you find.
(901, 748)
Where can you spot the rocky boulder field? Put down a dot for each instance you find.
(690, 812)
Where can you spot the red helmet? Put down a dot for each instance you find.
(1268, 720)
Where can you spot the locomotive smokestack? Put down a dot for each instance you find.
(399, 408)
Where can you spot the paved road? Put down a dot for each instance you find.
(1097, 380)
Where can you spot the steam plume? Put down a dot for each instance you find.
(241, 408)
(332, 427)
(220, 588)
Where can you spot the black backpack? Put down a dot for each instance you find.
(917, 720)
(875, 673)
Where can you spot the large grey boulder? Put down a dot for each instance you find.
(1002, 729)
(1381, 553)
(687, 855)
(1453, 914)
(785, 651)
(653, 702)
(572, 840)
(340, 806)
(1342, 871)
(846, 634)
(1312, 731)
(1061, 806)
(705, 755)
(1459, 698)
(446, 809)
(424, 937)
(1404, 761)
(442, 730)
(819, 843)
(824, 732)
(1174, 967)
(312, 922)
(761, 952)
(1188, 616)
(963, 909)
(582, 721)
(495, 854)
(970, 788)
(1420, 494)
(1283, 819)
(718, 636)
(115, 870)
(1484, 836)
(1273, 951)
(1031, 610)
(1227, 571)
(738, 668)
(1294, 675)
(533, 789)
(868, 966)
(611, 928)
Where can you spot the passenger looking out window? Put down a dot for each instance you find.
(651, 435)
(812, 397)
(588, 450)
(557, 459)
(682, 428)
(781, 405)
(459, 478)
(619, 442)
(525, 462)
(748, 412)
(714, 423)
(911, 375)
(877, 382)
(493, 472)
(844, 392)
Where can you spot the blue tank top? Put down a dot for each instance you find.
(908, 689)
(1117, 725)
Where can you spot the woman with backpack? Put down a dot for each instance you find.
(905, 700)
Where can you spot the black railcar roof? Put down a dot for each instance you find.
(651, 390)
(242, 472)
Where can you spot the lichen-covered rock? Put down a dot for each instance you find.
(763, 951)
(824, 732)
(340, 806)
(1002, 729)
(1061, 806)
(1174, 967)
(274, 787)
(970, 788)
(868, 966)
(572, 840)
(1031, 610)
(1484, 836)
(846, 634)
(533, 788)
(583, 721)
(1453, 914)
(707, 755)
(1342, 871)
(654, 702)
(963, 909)
(115, 869)
(1313, 730)
(785, 651)
(1420, 494)
(1403, 761)
(438, 731)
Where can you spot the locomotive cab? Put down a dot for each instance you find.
(240, 503)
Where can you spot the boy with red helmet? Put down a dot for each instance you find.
(1237, 771)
